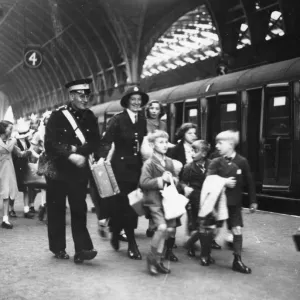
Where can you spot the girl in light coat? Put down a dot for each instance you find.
(8, 181)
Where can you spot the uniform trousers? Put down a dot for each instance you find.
(123, 215)
(56, 194)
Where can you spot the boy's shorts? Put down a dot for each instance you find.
(235, 218)
(158, 217)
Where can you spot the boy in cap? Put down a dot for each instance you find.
(67, 150)
(231, 164)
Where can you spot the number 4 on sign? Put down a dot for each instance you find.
(33, 58)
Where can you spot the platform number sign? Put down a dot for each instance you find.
(33, 58)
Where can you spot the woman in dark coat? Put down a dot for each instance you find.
(126, 131)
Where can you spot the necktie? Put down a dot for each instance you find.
(135, 118)
(228, 159)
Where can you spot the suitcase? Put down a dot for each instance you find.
(296, 238)
(105, 179)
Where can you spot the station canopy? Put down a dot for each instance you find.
(194, 37)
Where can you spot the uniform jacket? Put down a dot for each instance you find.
(151, 181)
(8, 181)
(60, 136)
(126, 160)
(238, 168)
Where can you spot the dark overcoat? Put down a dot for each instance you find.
(21, 165)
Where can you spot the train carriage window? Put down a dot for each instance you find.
(278, 121)
(192, 115)
(229, 119)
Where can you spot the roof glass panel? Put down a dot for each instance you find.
(192, 37)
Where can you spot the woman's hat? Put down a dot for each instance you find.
(133, 91)
(23, 130)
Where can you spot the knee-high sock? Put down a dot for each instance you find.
(237, 244)
(206, 237)
(192, 240)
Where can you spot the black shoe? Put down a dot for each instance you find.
(32, 210)
(7, 225)
(123, 237)
(134, 253)
(42, 211)
(149, 233)
(79, 257)
(204, 261)
(162, 269)
(171, 256)
(215, 245)
(211, 260)
(151, 264)
(102, 230)
(62, 255)
(191, 252)
(28, 215)
(114, 241)
(238, 265)
(12, 214)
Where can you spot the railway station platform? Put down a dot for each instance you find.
(29, 271)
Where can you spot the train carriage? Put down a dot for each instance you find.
(262, 103)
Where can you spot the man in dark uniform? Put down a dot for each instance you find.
(127, 131)
(69, 159)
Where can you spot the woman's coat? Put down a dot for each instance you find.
(8, 181)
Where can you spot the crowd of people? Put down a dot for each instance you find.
(136, 144)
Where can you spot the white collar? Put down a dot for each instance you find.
(131, 115)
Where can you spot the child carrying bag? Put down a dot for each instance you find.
(173, 203)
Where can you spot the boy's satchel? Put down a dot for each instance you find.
(31, 178)
(173, 203)
(136, 201)
(105, 179)
(296, 238)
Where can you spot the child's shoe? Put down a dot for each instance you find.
(152, 264)
(239, 266)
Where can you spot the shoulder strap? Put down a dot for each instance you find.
(73, 123)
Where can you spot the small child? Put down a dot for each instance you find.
(236, 169)
(192, 180)
(157, 171)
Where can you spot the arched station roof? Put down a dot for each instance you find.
(108, 40)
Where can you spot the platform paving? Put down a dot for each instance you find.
(29, 271)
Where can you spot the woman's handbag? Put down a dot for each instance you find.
(31, 178)
(173, 203)
(136, 201)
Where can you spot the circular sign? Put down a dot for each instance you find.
(33, 58)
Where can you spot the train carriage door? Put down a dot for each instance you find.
(229, 111)
(277, 137)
